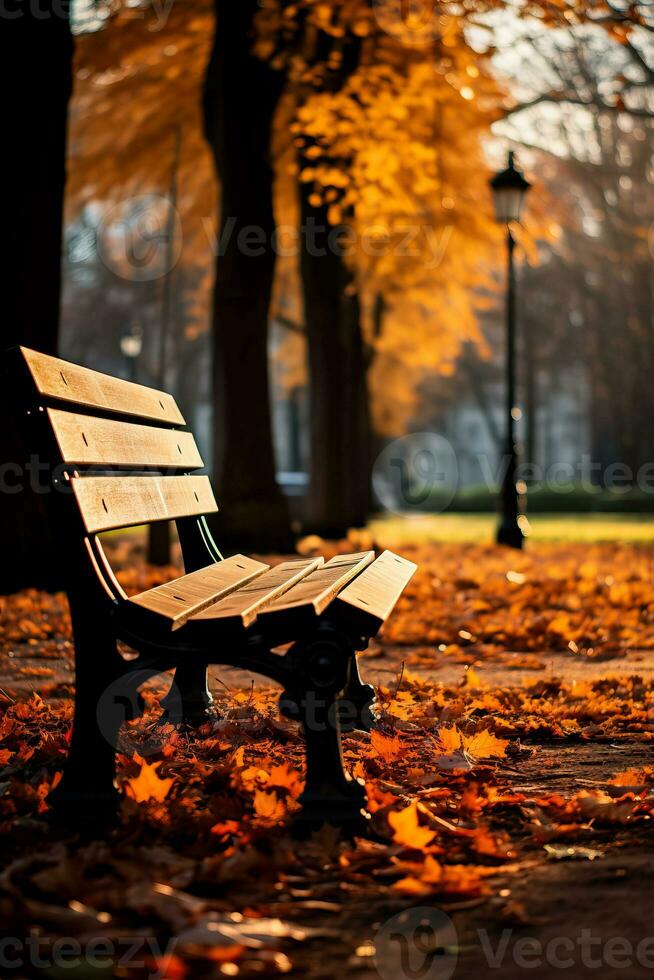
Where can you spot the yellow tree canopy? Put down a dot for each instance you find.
(394, 146)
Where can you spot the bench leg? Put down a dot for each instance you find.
(357, 701)
(103, 700)
(189, 699)
(330, 794)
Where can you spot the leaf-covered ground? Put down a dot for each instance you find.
(510, 778)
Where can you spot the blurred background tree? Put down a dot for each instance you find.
(346, 249)
(36, 71)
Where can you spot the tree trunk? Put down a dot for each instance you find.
(241, 93)
(339, 491)
(36, 59)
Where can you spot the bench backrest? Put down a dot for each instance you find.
(124, 453)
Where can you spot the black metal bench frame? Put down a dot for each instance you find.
(321, 685)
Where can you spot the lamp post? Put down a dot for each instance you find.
(509, 189)
(131, 345)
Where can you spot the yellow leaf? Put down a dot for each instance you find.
(148, 785)
(472, 680)
(285, 777)
(485, 745)
(560, 625)
(407, 830)
(449, 739)
(268, 806)
(410, 886)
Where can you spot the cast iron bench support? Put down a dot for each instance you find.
(118, 456)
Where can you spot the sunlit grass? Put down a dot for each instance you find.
(392, 530)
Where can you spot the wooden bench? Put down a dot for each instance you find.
(117, 455)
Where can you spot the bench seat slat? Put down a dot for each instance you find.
(186, 596)
(240, 609)
(112, 502)
(366, 603)
(90, 441)
(68, 382)
(307, 600)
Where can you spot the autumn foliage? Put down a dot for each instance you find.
(489, 699)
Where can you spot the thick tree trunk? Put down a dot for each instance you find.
(339, 492)
(35, 59)
(241, 93)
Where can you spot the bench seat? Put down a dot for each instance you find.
(118, 455)
(240, 596)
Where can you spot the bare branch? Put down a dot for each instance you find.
(564, 98)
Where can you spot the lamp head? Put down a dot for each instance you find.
(509, 189)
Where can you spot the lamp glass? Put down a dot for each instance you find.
(508, 202)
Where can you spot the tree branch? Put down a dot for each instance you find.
(563, 98)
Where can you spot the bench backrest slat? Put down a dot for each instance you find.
(68, 382)
(107, 503)
(89, 441)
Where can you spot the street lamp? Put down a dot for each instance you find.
(509, 189)
(131, 345)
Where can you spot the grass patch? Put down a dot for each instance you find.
(395, 530)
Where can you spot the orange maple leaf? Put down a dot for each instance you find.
(148, 785)
(268, 806)
(482, 745)
(426, 876)
(285, 777)
(386, 747)
(485, 745)
(407, 830)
